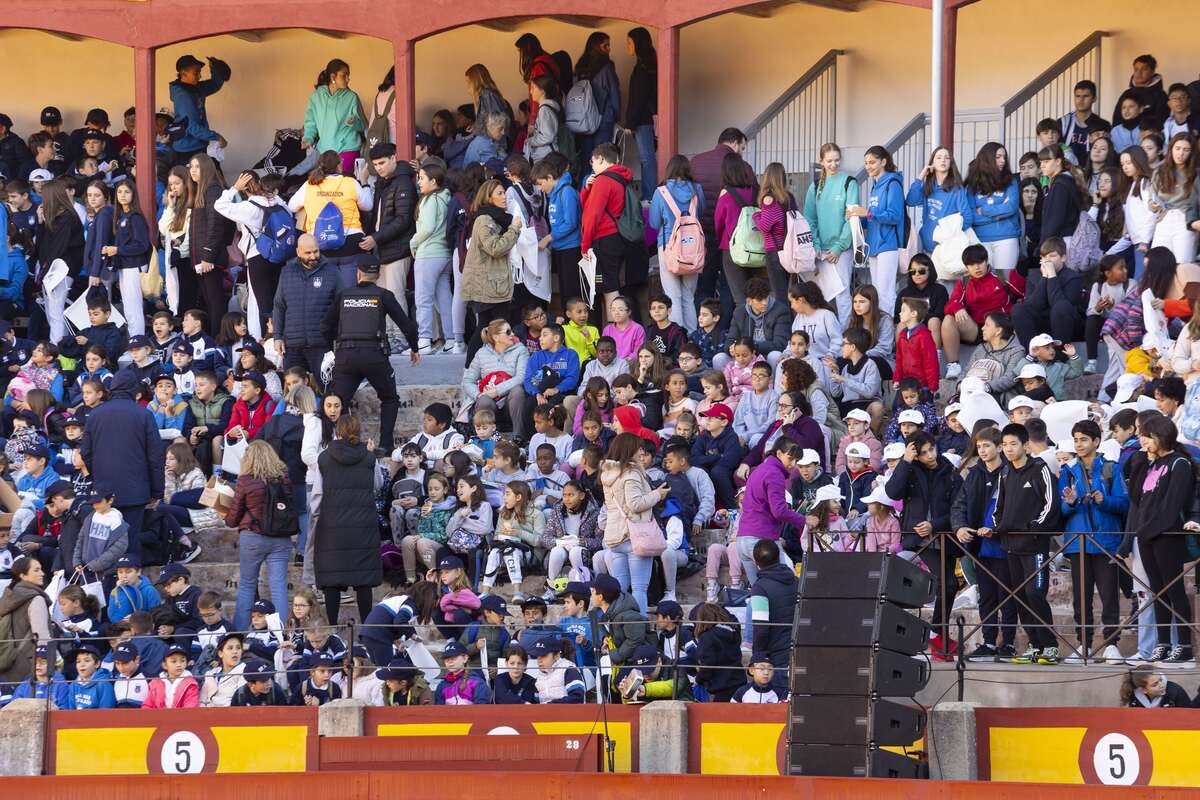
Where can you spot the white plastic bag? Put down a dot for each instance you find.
(951, 240)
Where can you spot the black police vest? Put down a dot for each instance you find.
(361, 317)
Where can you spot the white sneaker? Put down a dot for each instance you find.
(1074, 658)
(425, 347)
(448, 347)
(953, 371)
(668, 597)
(458, 349)
(711, 593)
(1111, 655)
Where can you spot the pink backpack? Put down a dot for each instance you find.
(684, 253)
(798, 254)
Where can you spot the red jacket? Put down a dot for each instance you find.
(603, 203)
(982, 297)
(251, 423)
(916, 357)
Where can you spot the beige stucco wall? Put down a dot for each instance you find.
(731, 66)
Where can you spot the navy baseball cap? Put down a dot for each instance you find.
(544, 646)
(258, 670)
(605, 583)
(5, 327)
(646, 655)
(61, 488)
(88, 647)
(322, 660)
(254, 347)
(495, 603)
(450, 562)
(759, 657)
(92, 135)
(576, 587)
(41, 651)
(422, 138)
(129, 561)
(454, 648)
(69, 420)
(100, 491)
(36, 450)
(51, 116)
(256, 378)
(172, 571)
(137, 341)
(176, 650)
(164, 377)
(400, 668)
(225, 637)
(125, 652)
(263, 607)
(669, 608)
(183, 347)
(358, 651)
(186, 62)
(533, 600)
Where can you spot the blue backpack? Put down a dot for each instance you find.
(276, 242)
(328, 228)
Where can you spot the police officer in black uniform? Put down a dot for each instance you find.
(357, 321)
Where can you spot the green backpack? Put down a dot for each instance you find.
(746, 248)
(631, 224)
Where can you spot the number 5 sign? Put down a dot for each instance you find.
(182, 752)
(1116, 759)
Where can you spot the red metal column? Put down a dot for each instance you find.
(949, 67)
(143, 103)
(406, 97)
(668, 96)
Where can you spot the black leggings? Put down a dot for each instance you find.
(189, 283)
(333, 603)
(264, 279)
(216, 302)
(1091, 335)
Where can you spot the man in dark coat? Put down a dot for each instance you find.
(394, 214)
(121, 446)
(307, 286)
(927, 484)
(773, 600)
(346, 537)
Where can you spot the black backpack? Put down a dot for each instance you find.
(280, 517)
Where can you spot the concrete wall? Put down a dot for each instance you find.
(732, 66)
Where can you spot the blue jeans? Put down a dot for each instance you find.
(253, 550)
(302, 499)
(644, 135)
(633, 570)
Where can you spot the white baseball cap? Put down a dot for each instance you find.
(911, 415)
(828, 492)
(809, 456)
(1041, 340)
(878, 495)
(1032, 371)
(41, 175)
(1020, 401)
(858, 450)
(953, 408)
(893, 450)
(1127, 385)
(858, 414)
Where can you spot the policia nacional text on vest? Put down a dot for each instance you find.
(359, 316)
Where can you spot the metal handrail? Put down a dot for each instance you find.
(790, 93)
(1030, 89)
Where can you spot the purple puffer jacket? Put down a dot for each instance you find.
(764, 507)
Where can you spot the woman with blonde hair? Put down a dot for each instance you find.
(484, 92)
(775, 202)
(825, 209)
(260, 467)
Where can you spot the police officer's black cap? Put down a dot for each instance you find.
(368, 267)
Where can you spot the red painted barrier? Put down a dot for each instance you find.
(568, 753)
(556, 786)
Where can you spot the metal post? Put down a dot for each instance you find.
(936, 66)
(961, 665)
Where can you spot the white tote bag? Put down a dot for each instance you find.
(231, 457)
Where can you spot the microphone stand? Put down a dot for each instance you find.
(610, 747)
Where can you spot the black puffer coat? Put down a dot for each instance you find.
(346, 547)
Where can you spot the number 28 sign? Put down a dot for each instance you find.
(1116, 759)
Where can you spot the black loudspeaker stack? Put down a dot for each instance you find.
(853, 674)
